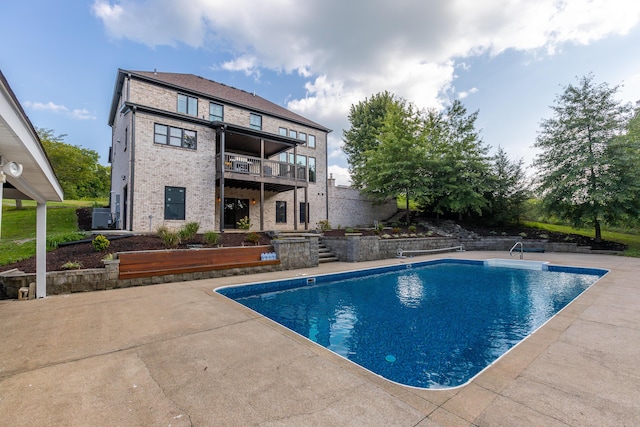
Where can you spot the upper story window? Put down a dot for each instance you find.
(216, 112)
(256, 121)
(303, 136)
(312, 169)
(293, 133)
(311, 142)
(176, 137)
(187, 105)
(283, 131)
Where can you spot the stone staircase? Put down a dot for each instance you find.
(324, 253)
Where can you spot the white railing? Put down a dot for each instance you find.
(256, 166)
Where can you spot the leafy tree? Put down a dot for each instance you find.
(366, 120)
(508, 189)
(458, 162)
(396, 164)
(77, 169)
(588, 167)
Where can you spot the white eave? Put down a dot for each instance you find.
(20, 143)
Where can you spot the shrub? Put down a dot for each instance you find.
(252, 237)
(109, 257)
(244, 223)
(72, 265)
(189, 230)
(412, 229)
(323, 225)
(523, 234)
(171, 239)
(211, 237)
(395, 230)
(100, 243)
(55, 240)
(348, 230)
(162, 230)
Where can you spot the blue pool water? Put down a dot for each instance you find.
(431, 325)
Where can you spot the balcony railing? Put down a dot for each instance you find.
(255, 166)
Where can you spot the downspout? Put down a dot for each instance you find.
(295, 187)
(222, 170)
(133, 167)
(326, 175)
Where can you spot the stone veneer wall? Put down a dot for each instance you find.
(293, 254)
(357, 248)
(350, 208)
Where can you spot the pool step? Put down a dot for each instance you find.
(325, 255)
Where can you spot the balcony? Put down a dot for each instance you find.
(241, 171)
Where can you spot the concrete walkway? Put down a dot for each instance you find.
(179, 354)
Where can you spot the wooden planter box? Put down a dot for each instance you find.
(159, 263)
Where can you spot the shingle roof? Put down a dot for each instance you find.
(222, 92)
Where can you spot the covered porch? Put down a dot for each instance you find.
(26, 172)
(248, 159)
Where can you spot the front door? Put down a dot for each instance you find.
(234, 211)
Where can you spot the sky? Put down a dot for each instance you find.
(506, 59)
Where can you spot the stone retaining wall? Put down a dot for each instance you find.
(357, 248)
(293, 254)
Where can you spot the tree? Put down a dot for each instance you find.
(458, 162)
(366, 119)
(508, 189)
(77, 169)
(587, 167)
(395, 163)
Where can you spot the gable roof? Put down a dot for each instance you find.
(19, 142)
(214, 91)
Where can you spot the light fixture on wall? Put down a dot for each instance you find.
(253, 201)
(12, 169)
(218, 199)
(124, 177)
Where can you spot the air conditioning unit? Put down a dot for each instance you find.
(238, 166)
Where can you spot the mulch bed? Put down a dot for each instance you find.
(88, 257)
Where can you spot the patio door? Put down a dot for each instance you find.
(234, 211)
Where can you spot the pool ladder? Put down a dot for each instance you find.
(521, 249)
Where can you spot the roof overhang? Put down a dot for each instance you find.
(19, 143)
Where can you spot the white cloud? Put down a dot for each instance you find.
(466, 93)
(347, 52)
(340, 174)
(77, 114)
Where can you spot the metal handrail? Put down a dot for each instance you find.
(521, 249)
(401, 252)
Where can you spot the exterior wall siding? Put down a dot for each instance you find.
(155, 166)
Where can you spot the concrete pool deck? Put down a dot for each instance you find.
(178, 354)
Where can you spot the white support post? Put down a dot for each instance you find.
(41, 250)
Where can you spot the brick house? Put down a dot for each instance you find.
(187, 149)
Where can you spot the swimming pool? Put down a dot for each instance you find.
(434, 324)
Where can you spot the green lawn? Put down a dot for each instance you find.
(19, 227)
(630, 239)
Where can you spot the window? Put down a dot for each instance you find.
(303, 136)
(174, 198)
(281, 212)
(176, 137)
(301, 166)
(256, 121)
(312, 141)
(216, 112)
(304, 212)
(312, 169)
(187, 105)
(126, 138)
(293, 133)
(283, 131)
